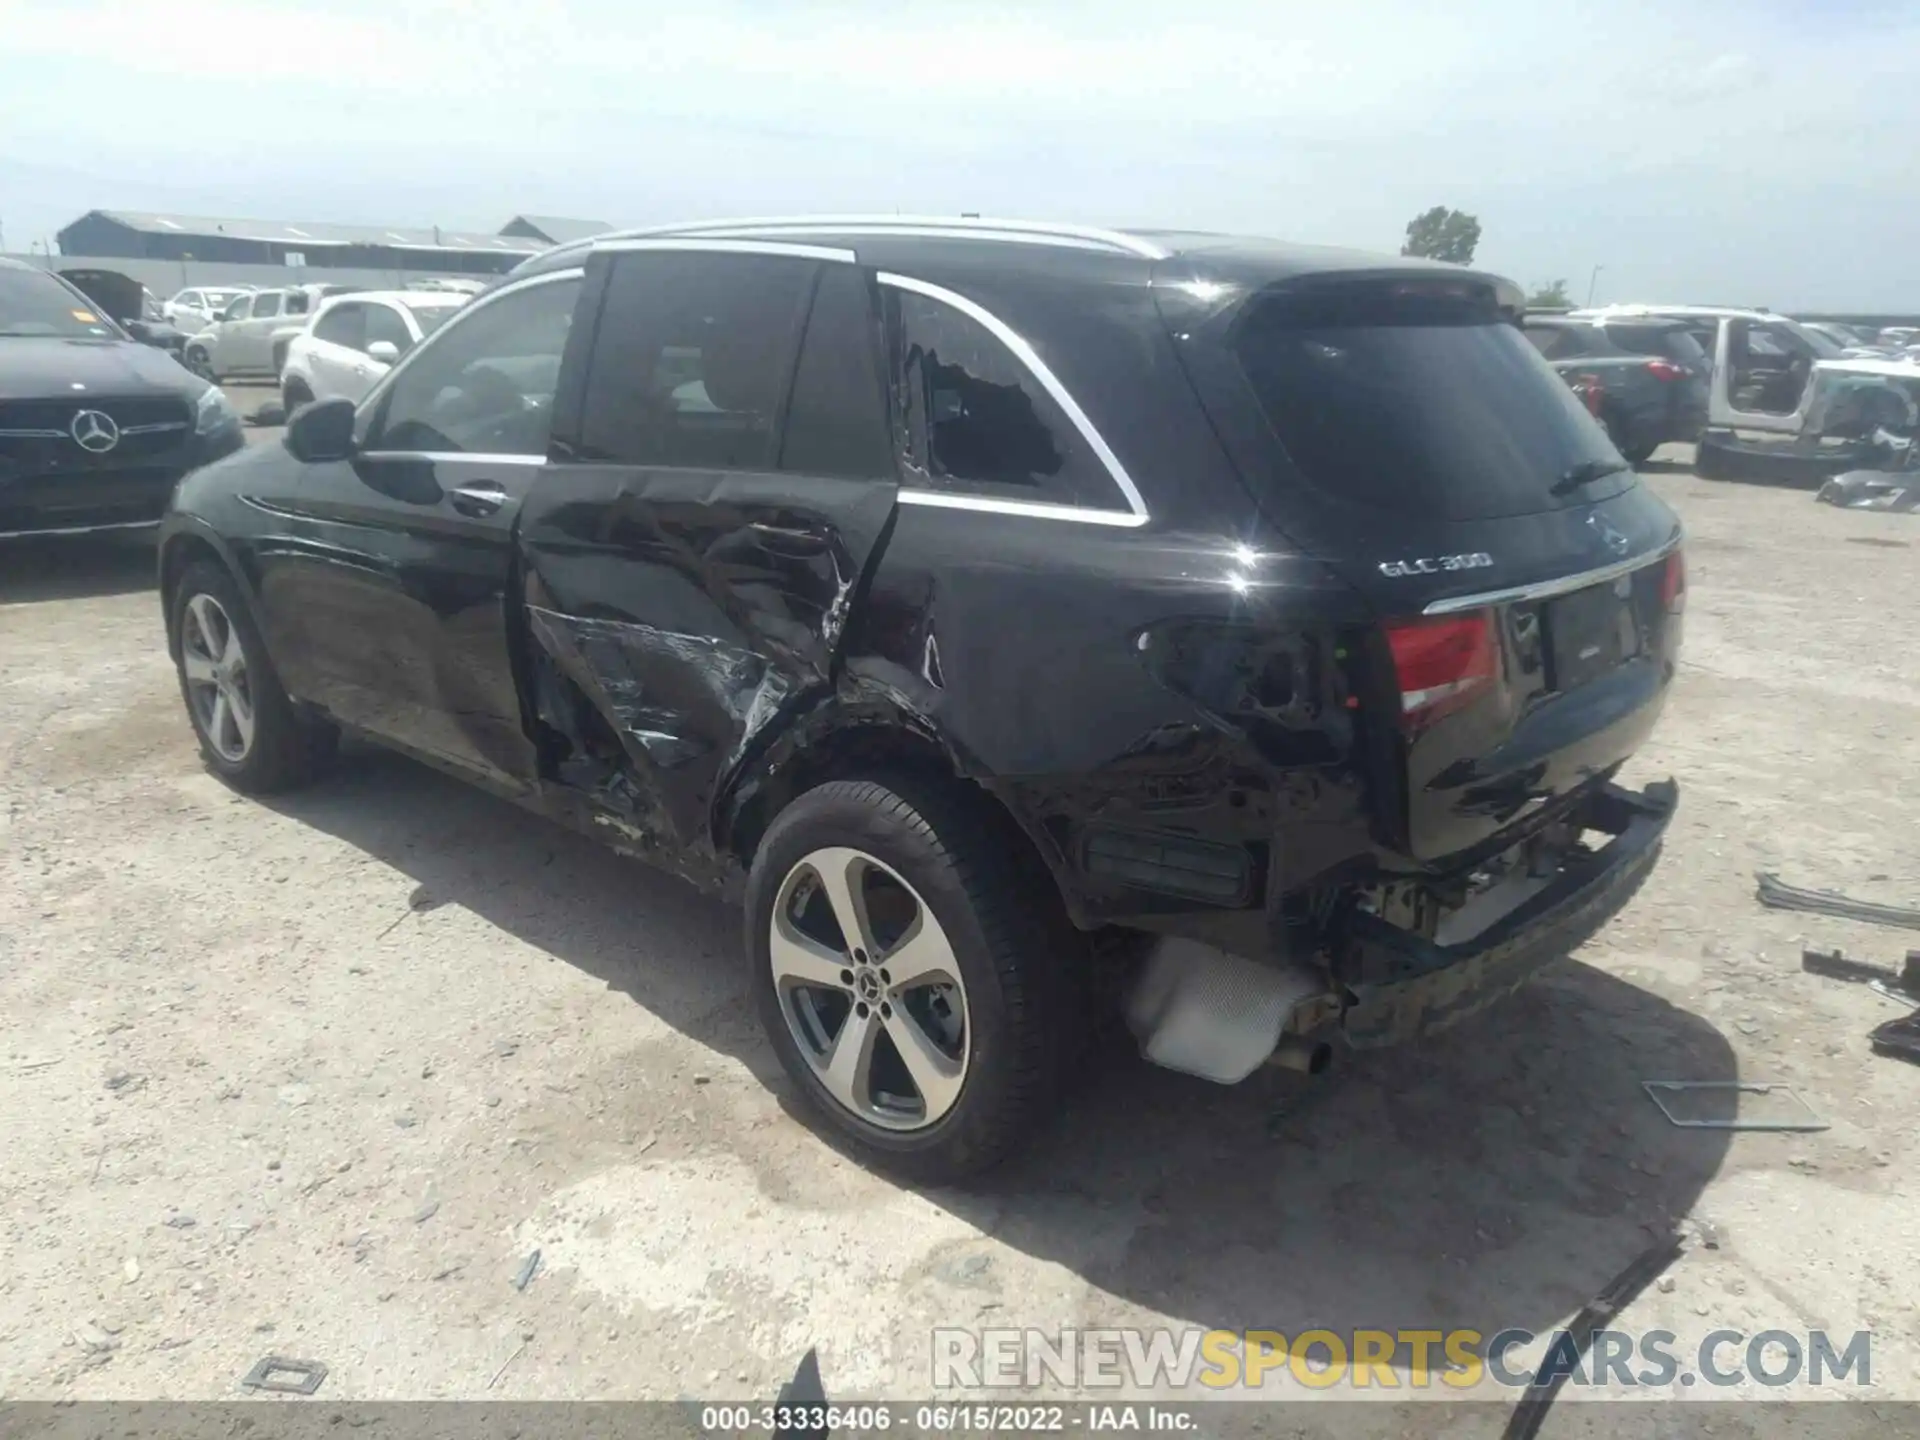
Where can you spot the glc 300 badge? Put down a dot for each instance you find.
(1436, 565)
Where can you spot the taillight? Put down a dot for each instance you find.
(1442, 664)
(1667, 370)
(1673, 583)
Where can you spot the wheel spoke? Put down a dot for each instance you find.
(848, 1071)
(800, 960)
(198, 667)
(922, 956)
(840, 873)
(240, 707)
(206, 618)
(935, 1075)
(218, 725)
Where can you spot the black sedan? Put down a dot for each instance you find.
(95, 426)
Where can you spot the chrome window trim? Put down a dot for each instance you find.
(1040, 232)
(1136, 511)
(1547, 589)
(1031, 509)
(472, 307)
(442, 457)
(723, 246)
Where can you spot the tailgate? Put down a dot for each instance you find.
(1400, 428)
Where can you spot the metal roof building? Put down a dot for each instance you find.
(553, 229)
(144, 236)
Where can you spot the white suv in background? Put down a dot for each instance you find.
(355, 339)
(198, 306)
(251, 334)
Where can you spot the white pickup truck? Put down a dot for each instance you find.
(252, 333)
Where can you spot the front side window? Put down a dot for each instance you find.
(384, 323)
(979, 422)
(691, 359)
(267, 305)
(239, 309)
(33, 303)
(344, 325)
(485, 386)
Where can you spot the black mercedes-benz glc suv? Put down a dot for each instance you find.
(1000, 609)
(95, 426)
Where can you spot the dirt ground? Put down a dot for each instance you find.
(316, 1077)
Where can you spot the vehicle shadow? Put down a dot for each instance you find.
(75, 567)
(1497, 1176)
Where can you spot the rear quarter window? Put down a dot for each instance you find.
(1418, 396)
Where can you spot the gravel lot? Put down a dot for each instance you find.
(315, 1077)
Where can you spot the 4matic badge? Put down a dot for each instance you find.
(1436, 564)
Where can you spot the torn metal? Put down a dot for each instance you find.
(1776, 895)
(1873, 490)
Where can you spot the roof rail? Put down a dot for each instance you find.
(1039, 232)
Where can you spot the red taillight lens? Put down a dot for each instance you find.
(1667, 370)
(1673, 583)
(1442, 663)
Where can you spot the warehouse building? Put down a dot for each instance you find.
(122, 234)
(552, 229)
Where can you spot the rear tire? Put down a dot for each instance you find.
(250, 733)
(294, 394)
(973, 1025)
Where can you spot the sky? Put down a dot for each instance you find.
(1756, 152)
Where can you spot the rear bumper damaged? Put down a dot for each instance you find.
(1397, 986)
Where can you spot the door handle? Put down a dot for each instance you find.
(479, 499)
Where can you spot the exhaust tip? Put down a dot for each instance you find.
(1308, 1057)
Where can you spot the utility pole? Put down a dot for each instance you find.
(1593, 280)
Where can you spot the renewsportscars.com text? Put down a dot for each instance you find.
(1225, 1360)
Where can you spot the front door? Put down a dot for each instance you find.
(403, 592)
(1761, 378)
(724, 481)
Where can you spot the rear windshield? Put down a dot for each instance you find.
(1675, 342)
(1420, 396)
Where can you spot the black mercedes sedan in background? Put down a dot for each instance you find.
(95, 426)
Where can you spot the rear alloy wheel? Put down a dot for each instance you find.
(249, 731)
(913, 970)
(870, 990)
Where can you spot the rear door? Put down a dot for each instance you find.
(1402, 429)
(245, 345)
(691, 554)
(400, 597)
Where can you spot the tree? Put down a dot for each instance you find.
(1443, 234)
(1550, 297)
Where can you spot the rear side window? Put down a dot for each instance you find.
(1671, 342)
(837, 418)
(979, 422)
(266, 305)
(691, 359)
(1419, 396)
(1559, 342)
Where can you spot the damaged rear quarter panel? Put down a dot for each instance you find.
(693, 609)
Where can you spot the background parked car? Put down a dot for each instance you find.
(356, 339)
(251, 335)
(1645, 378)
(198, 306)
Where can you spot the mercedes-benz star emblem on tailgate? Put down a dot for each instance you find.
(95, 430)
